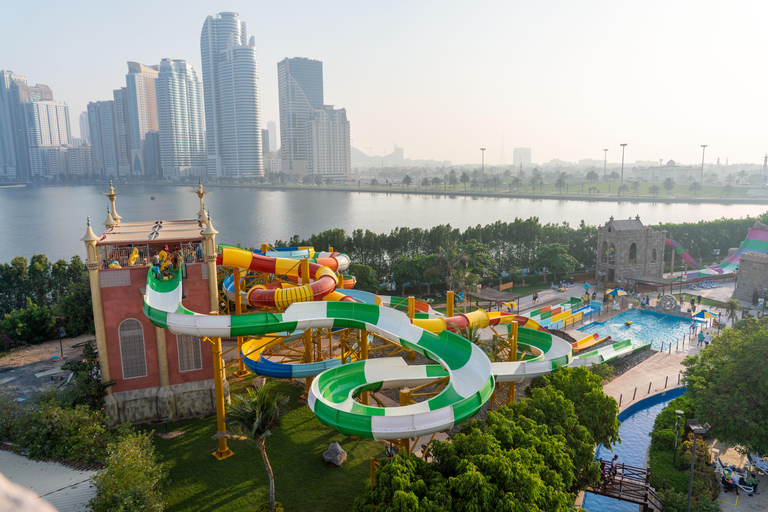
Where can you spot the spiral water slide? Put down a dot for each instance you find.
(471, 374)
(755, 241)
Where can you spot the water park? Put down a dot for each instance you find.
(187, 325)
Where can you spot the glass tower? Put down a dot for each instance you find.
(231, 94)
(300, 85)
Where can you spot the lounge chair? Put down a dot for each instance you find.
(758, 464)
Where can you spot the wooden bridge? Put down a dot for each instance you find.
(632, 484)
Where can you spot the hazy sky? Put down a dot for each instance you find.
(443, 78)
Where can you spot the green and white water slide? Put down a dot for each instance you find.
(472, 375)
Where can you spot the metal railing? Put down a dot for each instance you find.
(122, 255)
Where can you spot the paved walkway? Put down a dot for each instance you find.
(68, 490)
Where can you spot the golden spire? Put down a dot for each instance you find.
(111, 195)
(90, 236)
(110, 222)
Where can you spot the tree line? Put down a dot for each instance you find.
(36, 296)
(513, 245)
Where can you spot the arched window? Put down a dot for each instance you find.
(612, 254)
(190, 357)
(604, 252)
(633, 253)
(653, 256)
(132, 354)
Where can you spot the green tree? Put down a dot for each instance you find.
(453, 180)
(668, 185)
(592, 176)
(560, 183)
(87, 388)
(555, 258)
(623, 189)
(449, 256)
(407, 181)
(31, 324)
(596, 410)
(365, 277)
(732, 307)
(728, 189)
(464, 179)
(252, 418)
(636, 187)
(654, 190)
(614, 176)
(728, 386)
(694, 187)
(374, 182)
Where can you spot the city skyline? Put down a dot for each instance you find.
(565, 81)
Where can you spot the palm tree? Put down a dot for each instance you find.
(449, 257)
(728, 189)
(732, 306)
(623, 189)
(668, 185)
(516, 182)
(464, 179)
(560, 183)
(654, 189)
(694, 187)
(374, 182)
(465, 281)
(252, 418)
(636, 187)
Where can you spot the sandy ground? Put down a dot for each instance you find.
(21, 369)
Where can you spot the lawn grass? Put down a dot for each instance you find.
(303, 480)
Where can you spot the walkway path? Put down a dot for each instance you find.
(68, 490)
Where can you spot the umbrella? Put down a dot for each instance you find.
(703, 315)
(617, 293)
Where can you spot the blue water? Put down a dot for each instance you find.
(647, 327)
(636, 425)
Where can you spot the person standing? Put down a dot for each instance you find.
(701, 338)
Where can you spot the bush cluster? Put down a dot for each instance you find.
(7, 344)
(32, 324)
(132, 479)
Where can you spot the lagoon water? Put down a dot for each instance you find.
(51, 219)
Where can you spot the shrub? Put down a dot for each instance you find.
(87, 388)
(603, 370)
(673, 501)
(32, 324)
(10, 411)
(132, 479)
(51, 431)
(7, 344)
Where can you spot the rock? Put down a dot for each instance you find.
(335, 454)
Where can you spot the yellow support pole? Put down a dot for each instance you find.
(411, 314)
(449, 297)
(218, 375)
(241, 371)
(363, 344)
(513, 355)
(308, 332)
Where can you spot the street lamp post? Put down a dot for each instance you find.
(677, 432)
(703, 149)
(622, 162)
(605, 161)
(697, 430)
(482, 152)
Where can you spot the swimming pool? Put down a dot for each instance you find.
(636, 425)
(647, 327)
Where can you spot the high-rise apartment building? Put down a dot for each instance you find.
(180, 120)
(152, 141)
(48, 135)
(85, 132)
(8, 154)
(122, 131)
(329, 143)
(231, 93)
(101, 122)
(142, 109)
(300, 88)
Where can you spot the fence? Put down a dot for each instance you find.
(189, 251)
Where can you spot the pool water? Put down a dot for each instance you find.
(647, 327)
(636, 425)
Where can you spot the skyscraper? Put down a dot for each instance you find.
(142, 109)
(329, 143)
(122, 131)
(300, 87)
(101, 122)
(231, 92)
(85, 132)
(8, 157)
(180, 119)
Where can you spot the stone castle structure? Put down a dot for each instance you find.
(628, 248)
(753, 277)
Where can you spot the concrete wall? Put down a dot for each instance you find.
(753, 276)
